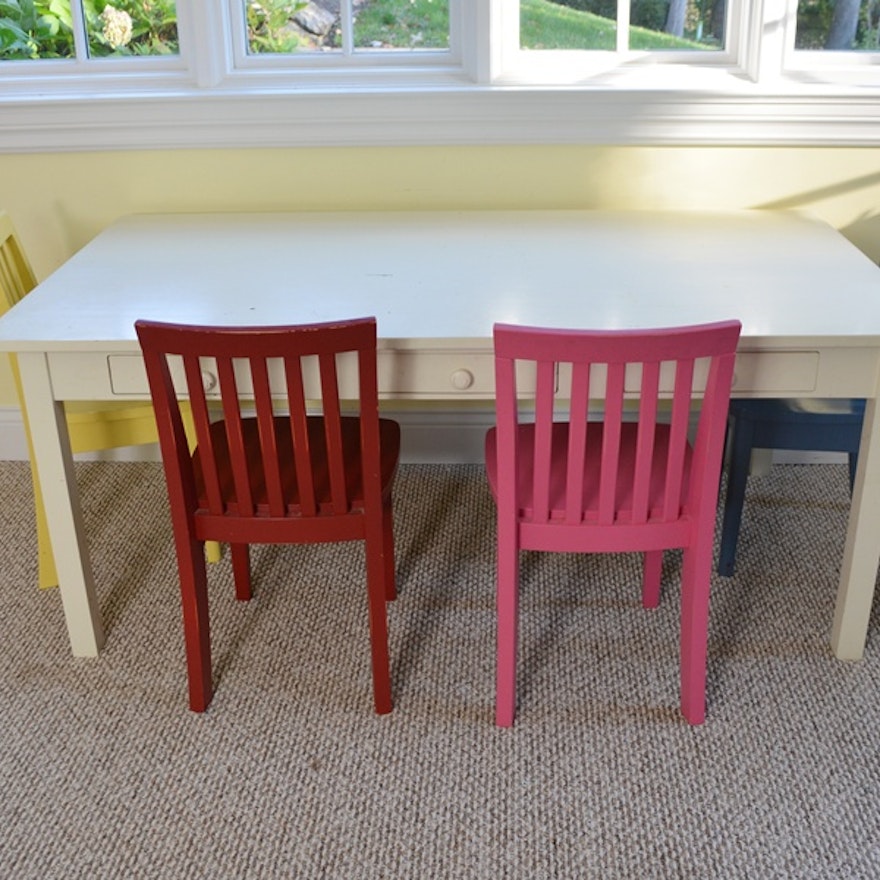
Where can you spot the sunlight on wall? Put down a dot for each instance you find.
(60, 201)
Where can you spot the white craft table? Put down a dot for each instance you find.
(808, 300)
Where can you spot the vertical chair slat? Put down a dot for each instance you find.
(9, 280)
(647, 432)
(204, 438)
(678, 438)
(369, 418)
(545, 395)
(234, 434)
(333, 432)
(265, 415)
(613, 419)
(577, 442)
(711, 428)
(16, 276)
(299, 430)
(506, 416)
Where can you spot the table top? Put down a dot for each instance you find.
(447, 276)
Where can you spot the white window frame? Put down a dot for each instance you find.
(483, 91)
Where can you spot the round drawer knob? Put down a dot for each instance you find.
(462, 379)
(209, 381)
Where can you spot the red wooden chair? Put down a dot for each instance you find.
(617, 484)
(279, 474)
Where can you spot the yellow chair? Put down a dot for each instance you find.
(93, 426)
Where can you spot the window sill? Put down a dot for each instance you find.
(441, 113)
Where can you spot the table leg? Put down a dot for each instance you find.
(861, 555)
(63, 512)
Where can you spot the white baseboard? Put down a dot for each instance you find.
(445, 436)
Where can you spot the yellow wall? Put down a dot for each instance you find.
(60, 201)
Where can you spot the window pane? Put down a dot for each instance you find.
(36, 30)
(131, 27)
(568, 25)
(680, 25)
(838, 25)
(401, 24)
(286, 26)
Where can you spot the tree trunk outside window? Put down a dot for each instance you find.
(676, 15)
(842, 34)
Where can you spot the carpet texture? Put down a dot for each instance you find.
(105, 773)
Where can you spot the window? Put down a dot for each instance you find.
(116, 73)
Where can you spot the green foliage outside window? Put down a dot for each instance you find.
(35, 29)
(153, 27)
(44, 28)
(268, 25)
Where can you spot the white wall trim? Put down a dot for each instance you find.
(13, 445)
(468, 115)
(447, 436)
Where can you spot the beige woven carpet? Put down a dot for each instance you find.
(105, 773)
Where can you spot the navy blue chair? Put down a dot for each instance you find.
(820, 425)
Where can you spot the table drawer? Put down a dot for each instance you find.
(787, 373)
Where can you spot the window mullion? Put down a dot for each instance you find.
(346, 21)
(80, 34)
(493, 35)
(205, 39)
(767, 25)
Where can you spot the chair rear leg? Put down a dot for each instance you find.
(241, 571)
(507, 602)
(737, 476)
(853, 458)
(388, 549)
(652, 569)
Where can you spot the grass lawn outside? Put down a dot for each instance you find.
(424, 24)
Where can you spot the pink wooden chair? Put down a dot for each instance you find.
(628, 482)
(280, 475)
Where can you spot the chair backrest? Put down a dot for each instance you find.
(259, 462)
(665, 370)
(16, 276)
